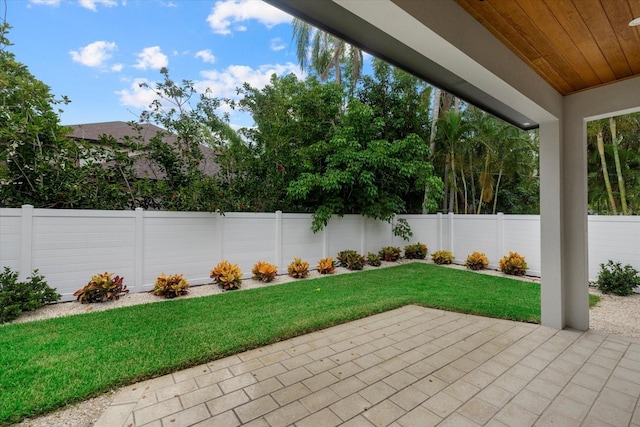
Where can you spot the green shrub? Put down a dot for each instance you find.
(514, 264)
(373, 259)
(390, 253)
(417, 251)
(477, 261)
(102, 287)
(615, 279)
(351, 259)
(170, 286)
(442, 257)
(18, 297)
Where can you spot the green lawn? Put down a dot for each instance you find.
(50, 363)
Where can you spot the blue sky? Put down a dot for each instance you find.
(97, 52)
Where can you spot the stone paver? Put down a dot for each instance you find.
(412, 366)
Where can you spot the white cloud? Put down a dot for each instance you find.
(277, 44)
(221, 83)
(92, 4)
(94, 54)
(151, 57)
(227, 12)
(117, 67)
(224, 83)
(46, 2)
(206, 56)
(138, 95)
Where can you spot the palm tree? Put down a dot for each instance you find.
(615, 141)
(603, 163)
(328, 53)
(451, 129)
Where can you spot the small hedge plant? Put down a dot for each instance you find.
(476, 261)
(326, 266)
(442, 257)
(373, 259)
(514, 264)
(264, 271)
(351, 259)
(102, 287)
(298, 268)
(618, 280)
(17, 297)
(390, 253)
(170, 286)
(417, 251)
(227, 276)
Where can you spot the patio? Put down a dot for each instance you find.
(411, 366)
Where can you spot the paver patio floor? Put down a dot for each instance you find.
(412, 366)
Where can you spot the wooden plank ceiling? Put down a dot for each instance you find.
(572, 44)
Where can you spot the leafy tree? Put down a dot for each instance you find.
(191, 130)
(290, 116)
(614, 141)
(39, 164)
(360, 174)
(488, 165)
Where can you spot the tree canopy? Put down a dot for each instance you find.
(383, 145)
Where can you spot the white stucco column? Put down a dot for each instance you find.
(575, 257)
(563, 224)
(551, 226)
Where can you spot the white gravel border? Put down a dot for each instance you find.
(613, 314)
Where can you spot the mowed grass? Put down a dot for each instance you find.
(48, 364)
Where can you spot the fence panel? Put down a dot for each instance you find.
(345, 233)
(178, 243)
(522, 235)
(298, 241)
(424, 229)
(614, 238)
(378, 235)
(11, 238)
(475, 233)
(69, 246)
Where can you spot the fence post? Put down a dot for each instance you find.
(26, 244)
(138, 266)
(220, 235)
(500, 235)
(279, 240)
(363, 231)
(439, 232)
(451, 245)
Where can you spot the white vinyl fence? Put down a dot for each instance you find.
(69, 246)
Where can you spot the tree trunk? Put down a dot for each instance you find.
(473, 183)
(605, 173)
(445, 199)
(432, 142)
(454, 186)
(495, 194)
(615, 141)
(464, 186)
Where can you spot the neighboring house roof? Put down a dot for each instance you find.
(118, 130)
(144, 168)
